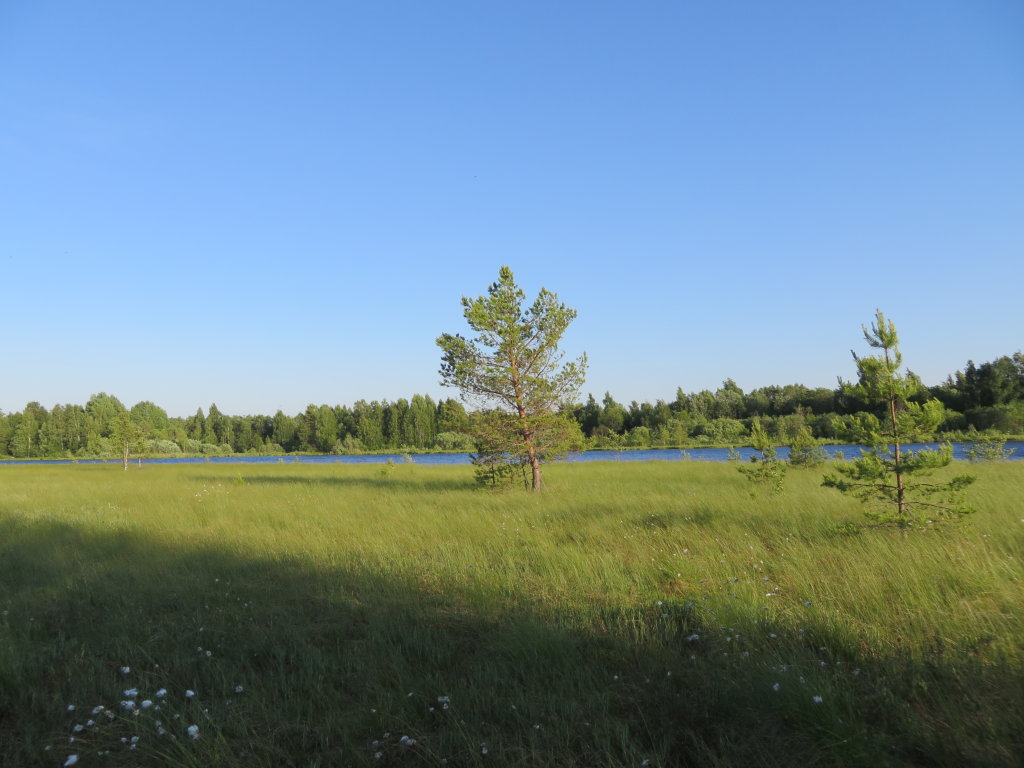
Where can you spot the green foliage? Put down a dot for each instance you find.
(885, 477)
(126, 435)
(502, 459)
(162, 446)
(993, 449)
(638, 437)
(721, 430)
(1005, 417)
(350, 444)
(804, 450)
(764, 469)
(871, 479)
(984, 398)
(205, 449)
(455, 441)
(513, 363)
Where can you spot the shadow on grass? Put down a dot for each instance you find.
(337, 665)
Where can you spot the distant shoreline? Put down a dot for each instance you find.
(409, 457)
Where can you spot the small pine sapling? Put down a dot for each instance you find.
(765, 468)
(804, 450)
(991, 449)
(885, 477)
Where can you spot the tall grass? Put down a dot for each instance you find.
(631, 613)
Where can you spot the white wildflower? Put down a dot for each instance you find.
(71, 708)
(817, 699)
(72, 759)
(776, 687)
(189, 694)
(161, 693)
(193, 732)
(125, 670)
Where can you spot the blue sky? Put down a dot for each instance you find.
(265, 205)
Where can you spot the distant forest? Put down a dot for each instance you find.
(983, 398)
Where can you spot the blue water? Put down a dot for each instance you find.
(647, 454)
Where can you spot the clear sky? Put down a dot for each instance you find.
(265, 205)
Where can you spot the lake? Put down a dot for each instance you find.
(646, 454)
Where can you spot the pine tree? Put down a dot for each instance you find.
(804, 450)
(513, 364)
(885, 476)
(765, 468)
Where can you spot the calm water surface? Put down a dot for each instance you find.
(648, 454)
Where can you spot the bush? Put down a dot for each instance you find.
(993, 449)
(350, 444)
(454, 441)
(1007, 418)
(162, 446)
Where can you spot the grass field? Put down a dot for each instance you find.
(394, 615)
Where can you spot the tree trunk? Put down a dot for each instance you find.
(124, 457)
(901, 501)
(535, 468)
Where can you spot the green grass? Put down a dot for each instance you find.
(631, 612)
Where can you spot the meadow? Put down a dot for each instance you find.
(632, 614)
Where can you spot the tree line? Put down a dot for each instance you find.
(980, 398)
(986, 397)
(418, 423)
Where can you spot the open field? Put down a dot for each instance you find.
(633, 612)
